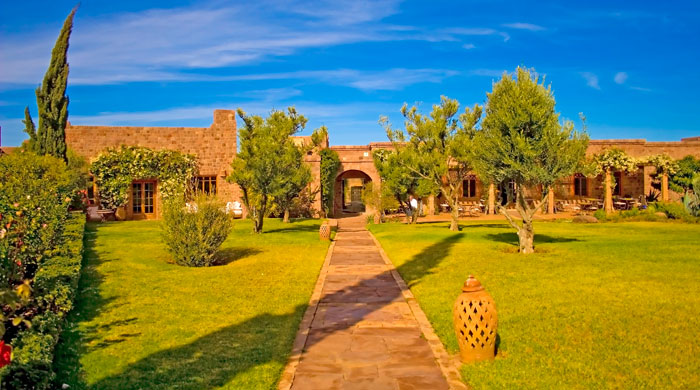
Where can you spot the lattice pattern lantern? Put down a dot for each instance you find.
(325, 231)
(475, 321)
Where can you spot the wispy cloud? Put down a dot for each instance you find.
(367, 80)
(467, 31)
(488, 72)
(591, 79)
(641, 89)
(188, 43)
(270, 94)
(620, 77)
(468, 46)
(524, 26)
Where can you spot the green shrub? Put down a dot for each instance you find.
(633, 212)
(601, 215)
(193, 234)
(34, 196)
(55, 285)
(691, 202)
(672, 210)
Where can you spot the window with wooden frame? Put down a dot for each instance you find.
(205, 184)
(617, 188)
(469, 187)
(580, 185)
(143, 195)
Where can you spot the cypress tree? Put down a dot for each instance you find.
(51, 98)
(30, 129)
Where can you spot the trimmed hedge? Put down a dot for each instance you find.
(55, 286)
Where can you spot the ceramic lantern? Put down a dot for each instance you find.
(325, 231)
(475, 321)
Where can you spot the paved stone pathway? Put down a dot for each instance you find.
(363, 334)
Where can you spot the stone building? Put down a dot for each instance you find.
(215, 148)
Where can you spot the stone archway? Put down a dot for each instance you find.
(348, 192)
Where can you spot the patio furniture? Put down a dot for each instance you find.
(444, 207)
(235, 209)
(617, 205)
(104, 214)
(471, 209)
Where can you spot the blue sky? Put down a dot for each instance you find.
(630, 67)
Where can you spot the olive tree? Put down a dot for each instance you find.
(436, 147)
(398, 181)
(269, 164)
(523, 141)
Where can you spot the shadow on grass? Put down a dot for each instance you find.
(210, 361)
(291, 227)
(229, 255)
(423, 263)
(88, 304)
(215, 359)
(511, 238)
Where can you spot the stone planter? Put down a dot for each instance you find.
(475, 322)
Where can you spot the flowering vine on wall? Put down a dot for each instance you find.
(116, 168)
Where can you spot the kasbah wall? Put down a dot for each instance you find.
(215, 148)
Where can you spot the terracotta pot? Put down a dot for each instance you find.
(325, 231)
(475, 322)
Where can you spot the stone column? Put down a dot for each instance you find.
(492, 199)
(664, 187)
(550, 201)
(608, 192)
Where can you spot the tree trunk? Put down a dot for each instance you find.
(550, 201)
(526, 234)
(285, 218)
(258, 222)
(454, 213)
(492, 199)
(608, 206)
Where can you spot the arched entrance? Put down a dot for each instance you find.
(348, 192)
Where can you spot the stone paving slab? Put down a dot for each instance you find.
(363, 332)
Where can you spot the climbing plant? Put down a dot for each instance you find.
(605, 163)
(330, 162)
(663, 163)
(116, 168)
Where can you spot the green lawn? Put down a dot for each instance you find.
(141, 322)
(613, 305)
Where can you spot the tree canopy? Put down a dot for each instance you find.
(682, 180)
(436, 147)
(269, 165)
(522, 141)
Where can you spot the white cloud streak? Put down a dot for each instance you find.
(620, 77)
(524, 26)
(591, 79)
